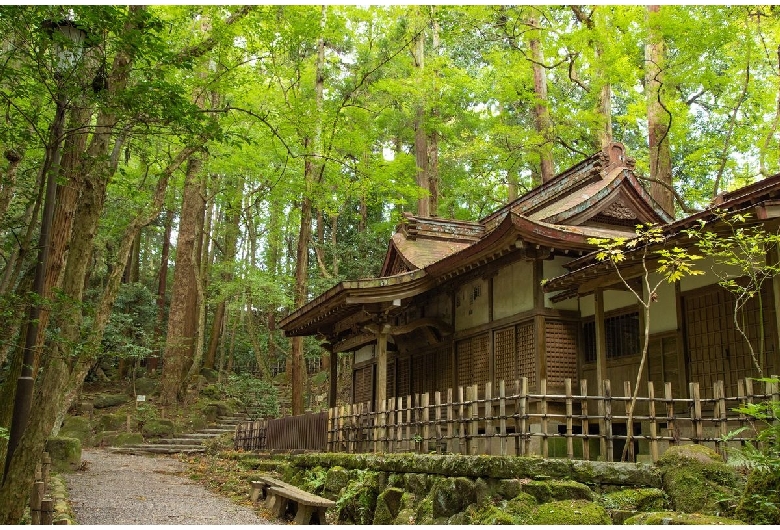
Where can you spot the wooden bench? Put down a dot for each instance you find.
(279, 496)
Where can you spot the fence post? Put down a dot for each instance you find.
(399, 427)
(525, 445)
(47, 511)
(380, 439)
(451, 446)
(425, 418)
(585, 424)
(543, 410)
(502, 415)
(409, 410)
(670, 421)
(629, 428)
(696, 412)
(488, 417)
(474, 426)
(569, 413)
(437, 419)
(36, 497)
(607, 435)
(462, 446)
(653, 422)
(331, 425)
(719, 393)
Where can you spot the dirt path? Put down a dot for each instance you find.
(129, 489)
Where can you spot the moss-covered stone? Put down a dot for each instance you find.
(521, 506)
(388, 505)
(661, 518)
(407, 513)
(618, 473)
(483, 490)
(157, 428)
(557, 490)
(128, 438)
(77, 427)
(210, 375)
(104, 401)
(336, 479)
(640, 500)
(452, 495)
(357, 503)
(494, 515)
(508, 488)
(424, 512)
(698, 481)
(417, 483)
(570, 513)
(111, 422)
(760, 501)
(216, 409)
(65, 453)
(145, 386)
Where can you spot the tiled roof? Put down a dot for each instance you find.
(421, 252)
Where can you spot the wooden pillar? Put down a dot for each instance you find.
(774, 258)
(381, 363)
(540, 326)
(334, 379)
(601, 367)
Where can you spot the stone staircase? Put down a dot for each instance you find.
(185, 443)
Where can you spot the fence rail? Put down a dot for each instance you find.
(476, 420)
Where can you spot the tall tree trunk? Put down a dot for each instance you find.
(180, 339)
(433, 135)
(541, 111)
(162, 284)
(658, 120)
(420, 136)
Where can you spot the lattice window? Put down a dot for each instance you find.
(504, 343)
(561, 344)
(402, 377)
(480, 349)
(463, 358)
(526, 353)
(622, 336)
(418, 374)
(363, 386)
(443, 369)
(391, 379)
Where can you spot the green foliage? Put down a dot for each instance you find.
(130, 330)
(253, 393)
(4, 434)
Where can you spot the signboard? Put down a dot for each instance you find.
(140, 398)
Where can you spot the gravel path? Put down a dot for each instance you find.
(130, 489)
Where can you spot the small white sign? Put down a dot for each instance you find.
(140, 398)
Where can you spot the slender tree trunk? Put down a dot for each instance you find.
(420, 135)
(433, 135)
(541, 111)
(162, 284)
(658, 121)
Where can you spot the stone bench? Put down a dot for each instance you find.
(304, 504)
(261, 485)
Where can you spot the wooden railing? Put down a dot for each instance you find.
(306, 432)
(477, 421)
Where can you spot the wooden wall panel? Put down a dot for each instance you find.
(561, 341)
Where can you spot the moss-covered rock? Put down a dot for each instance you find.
(760, 501)
(493, 515)
(65, 453)
(660, 518)
(388, 505)
(216, 409)
(77, 427)
(336, 479)
(104, 401)
(158, 428)
(639, 500)
(424, 512)
(698, 481)
(417, 483)
(557, 490)
(570, 513)
(111, 422)
(452, 495)
(145, 386)
(508, 488)
(128, 438)
(521, 506)
(357, 503)
(210, 375)
(407, 513)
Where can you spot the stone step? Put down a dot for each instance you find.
(216, 431)
(198, 436)
(157, 449)
(179, 441)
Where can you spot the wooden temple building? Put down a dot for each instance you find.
(519, 294)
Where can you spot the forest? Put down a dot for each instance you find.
(174, 180)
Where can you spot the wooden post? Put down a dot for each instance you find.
(47, 511)
(381, 362)
(569, 413)
(502, 416)
(719, 412)
(629, 427)
(409, 410)
(46, 470)
(36, 497)
(451, 425)
(488, 417)
(696, 412)
(380, 439)
(543, 410)
(585, 424)
(333, 390)
(607, 434)
(426, 427)
(462, 446)
(525, 445)
(474, 434)
(653, 422)
(399, 425)
(437, 419)
(670, 423)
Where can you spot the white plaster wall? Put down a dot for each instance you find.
(663, 312)
(513, 289)
(366, 353)
(471, 311)
(707, 265)
(618, 300)
(439, 307)
(587, 306)
(551, 269)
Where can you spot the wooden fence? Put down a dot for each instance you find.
(477, 421)
(41, 503)
(306, 432)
